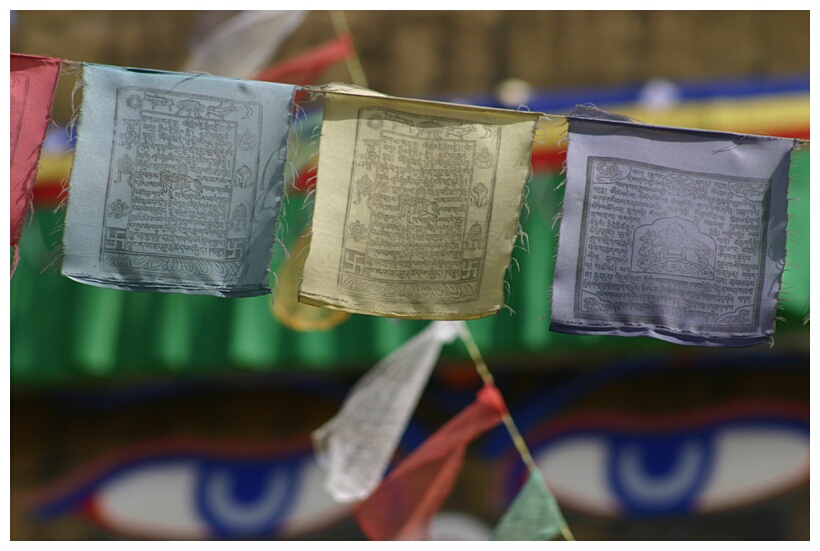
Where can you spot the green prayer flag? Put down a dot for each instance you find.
(533, 516)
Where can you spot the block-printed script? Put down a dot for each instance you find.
(182, 184)
(660, 245)
(419, 210)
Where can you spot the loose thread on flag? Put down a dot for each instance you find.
(354, 64)
(509, 424)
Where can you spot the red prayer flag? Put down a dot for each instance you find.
(33, 80)
(405, 501)
(305, 68)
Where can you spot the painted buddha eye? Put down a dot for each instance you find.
(645, 439)
(653, 475)
(606, 465)
(196, 492)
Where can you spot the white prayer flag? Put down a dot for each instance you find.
(357, 444)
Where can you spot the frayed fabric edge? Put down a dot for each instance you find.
(65, 68)
(563, 146)
(58, 252)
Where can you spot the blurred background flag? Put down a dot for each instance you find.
(533, 516)
(402, 506)
(357, 445)
(305, 68)
(242, 45)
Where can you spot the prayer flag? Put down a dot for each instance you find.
(177, 182)
(306, 67)
(33, 80)
(417, 206)
(242, 45)
(533, 516)
(402, 506)
(357, 444)
(672, 233)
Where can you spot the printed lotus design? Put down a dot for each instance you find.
(357, 230)
(118, 209)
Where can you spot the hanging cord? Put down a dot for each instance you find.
(354, 64)
(518, 440)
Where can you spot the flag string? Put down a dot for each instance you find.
(354, 64)
(512, 429)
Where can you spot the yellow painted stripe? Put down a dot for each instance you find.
(54, 168)
(757, 115)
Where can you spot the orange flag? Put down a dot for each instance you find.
(402, 506)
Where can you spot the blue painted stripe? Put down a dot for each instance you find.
(565, 99)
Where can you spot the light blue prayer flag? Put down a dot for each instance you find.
(177, 182)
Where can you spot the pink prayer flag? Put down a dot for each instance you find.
(33, 80)
(402, 506)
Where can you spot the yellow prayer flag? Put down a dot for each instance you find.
(417, 206)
